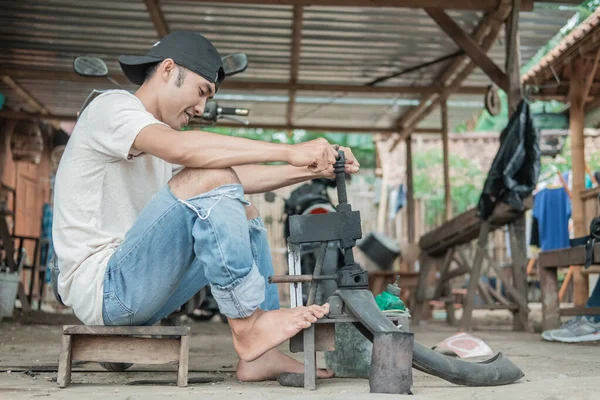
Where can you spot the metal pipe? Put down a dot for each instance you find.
(299, 278)
(312, 294)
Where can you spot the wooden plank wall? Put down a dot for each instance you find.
(32, 183)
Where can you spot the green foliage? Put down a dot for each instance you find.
(487, 122)
(466, 181)
(562, 162)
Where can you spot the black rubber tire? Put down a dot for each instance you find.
(115, 367)
(202, 317)
(170, 321)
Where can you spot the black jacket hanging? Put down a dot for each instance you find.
(514, 172)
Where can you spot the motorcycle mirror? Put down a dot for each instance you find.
(210, 110)
(270, 197)
(234, 63)
(90, 67)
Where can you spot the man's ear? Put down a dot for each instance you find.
(166, 68)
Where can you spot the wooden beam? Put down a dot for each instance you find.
(323, 128)
(576, 125)
(158, 18)
(490, 24)
(9, 114)
(24, 94)
(237, 84)
(446, 155)
(412, 114)
(513, 58)
(591, 76)
(295, 59)
(517, 296)
(469, 46)
(410, 200)
(480, 5)
(28, 97)
(469, 302)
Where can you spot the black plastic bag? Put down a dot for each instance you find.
(516, 167)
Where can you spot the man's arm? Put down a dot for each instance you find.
(199, 149)
(264, 178)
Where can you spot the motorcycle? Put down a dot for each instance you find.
(312, 198)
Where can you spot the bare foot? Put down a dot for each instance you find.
(270, 365)
(255, 335)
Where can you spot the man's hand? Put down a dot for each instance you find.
(317, 155)
(352, 165)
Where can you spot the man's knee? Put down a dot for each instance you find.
(191, 182)
(251, 212)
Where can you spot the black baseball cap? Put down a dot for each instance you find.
(188, 49)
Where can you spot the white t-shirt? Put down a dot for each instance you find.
(100, 189)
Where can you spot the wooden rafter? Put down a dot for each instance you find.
(469, 46)
(591, 75)
(486, 32)
(513, 58)
(348, 129)
(158, 18)
(236, 84)
(295, 57)
(476, 5)
(478, 34)
(446, 156)
(29, 98)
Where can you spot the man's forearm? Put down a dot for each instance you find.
(207, 150)
(264, 178)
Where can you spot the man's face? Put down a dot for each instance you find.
(184, 95)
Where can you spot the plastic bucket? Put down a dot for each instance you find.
(9, 286)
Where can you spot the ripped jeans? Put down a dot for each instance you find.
(177, 247)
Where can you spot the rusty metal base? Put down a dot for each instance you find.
(391, 362)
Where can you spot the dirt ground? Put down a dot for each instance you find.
(552, 371)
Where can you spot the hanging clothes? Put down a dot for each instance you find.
(516, 167)
(552, 209)
(535, 233)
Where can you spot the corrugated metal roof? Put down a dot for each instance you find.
(339, 45)
(582, 40)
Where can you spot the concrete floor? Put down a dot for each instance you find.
(552, 371)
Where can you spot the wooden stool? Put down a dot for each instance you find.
(122, 344)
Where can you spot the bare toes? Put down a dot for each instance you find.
(310, 317)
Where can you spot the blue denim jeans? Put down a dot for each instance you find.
(176, 247)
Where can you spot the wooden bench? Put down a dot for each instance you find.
(548, 264)
(441, 247)
(124, 344)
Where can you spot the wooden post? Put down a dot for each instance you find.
(3, 146)
(576, 118)
(447, 195)
(513, 58)
(518, 245)
(64, 362)
(410, 201)
(550, 303)
(420, 297)
(182, 367)
(310, 359)
(6, 130)
(469, 304)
